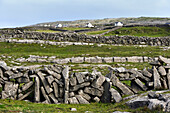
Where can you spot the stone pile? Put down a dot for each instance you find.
(159, 100)
(73, 37)
(142, 80)
(57, 84)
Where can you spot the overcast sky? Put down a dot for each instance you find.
(27, 12)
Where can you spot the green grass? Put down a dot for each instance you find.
(74, 28)
(47, 31)
(25, 107)
(142, 31)
(23, 50)
(96, 32)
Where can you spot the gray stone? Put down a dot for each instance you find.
(27, 86)
(37, 90)
(56, 75)
(115, 96)
(77, 87)
(77, 59)
(73, 100)
(146, 73)
(164, 60)
(66, 95)
(73, 81)
(59, 82)
(80, 77)
(93, 91)
(149, 84)
(65, 72)
(23, 80)
(86, 96)
(140, 84)
(138, 102)
(98, 82)
(45, 84)
(155, 63)
(121, 86)
(45, 95)
(53, 98)
(50, 79)
(106, 96)
(71, 94)
(156, 77)
(164, 84)
(154, 103)
(61, 92)
(81, 99)
(168, 78)
(24, 96)
(1, 73)
(56, 90)
(56, 69)
(96, 99)
(162, 71)
(167, 109)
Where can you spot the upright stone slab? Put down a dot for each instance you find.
(79, 77)
(37, 90)
(45, 95)
(45, 84)
(168, 78)
(1, 73)
(106, 96)
(56, 90)
(65, 73)
(156, 77)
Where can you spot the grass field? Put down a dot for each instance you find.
(7, 106)
(18, 50)
(48, 31)
(74, 28)
(142, 31)
(96, 32)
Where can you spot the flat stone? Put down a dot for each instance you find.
(81, 100)
(96, 99)
(77, 87)
(24, 96)
(27, 86)
(154, 103)
(98, 82)
(155, 63)
(115, 96)
(23, 80)
(146, 73)
(84, 95)
(164, 60)
(73, 81)
(93, 91)
(156, 77)
(80, 77)
(162, 71)
(73, 100)
(140, 84)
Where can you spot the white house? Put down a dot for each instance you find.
(119, 24)
(59, 25)
(89, 25)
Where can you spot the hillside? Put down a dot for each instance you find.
(108, 21)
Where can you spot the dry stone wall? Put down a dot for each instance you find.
(57, 84)
(73, 37)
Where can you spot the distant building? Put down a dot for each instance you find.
(59, 25)
(119, 24)
(89, 25)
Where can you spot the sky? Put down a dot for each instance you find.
(17, 13)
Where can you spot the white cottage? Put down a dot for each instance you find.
(89, 25)
(119, 24)
(59, 25)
